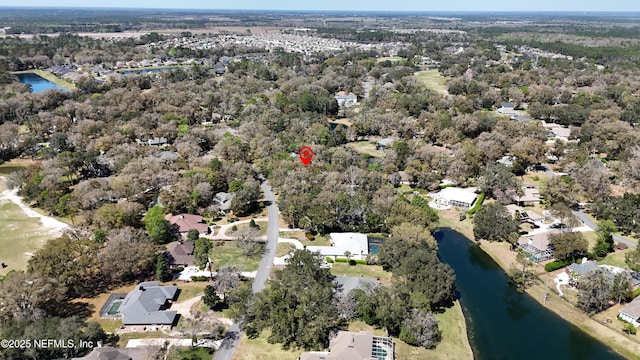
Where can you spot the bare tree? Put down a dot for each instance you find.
(246, 241)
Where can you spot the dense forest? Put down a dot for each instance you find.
(224, 133)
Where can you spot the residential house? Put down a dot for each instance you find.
(348, 345)
(346, 100)
(181, 253)
(157, 141)
(463, 198)
(576, 271)
(355, 243)
(384, 143)
(146, 306)
(519, 213)
(530, 196)
(631, 312)
(536, 246)
(111, 353)
(184, 222)
(222, 201)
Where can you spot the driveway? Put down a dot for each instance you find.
(230, 342)
(184, 307)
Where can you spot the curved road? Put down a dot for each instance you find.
(230, 342)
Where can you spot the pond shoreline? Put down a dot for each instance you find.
(49, 77)
(627, 347)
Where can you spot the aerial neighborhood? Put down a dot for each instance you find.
(308, 185)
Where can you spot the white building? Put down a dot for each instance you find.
(455, 196)
(355, 243)
(631, 312)
(346, 100)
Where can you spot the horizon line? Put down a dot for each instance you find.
(327, 10)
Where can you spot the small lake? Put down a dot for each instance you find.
(38, 83)
(505, 324)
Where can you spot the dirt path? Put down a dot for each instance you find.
(54, 226)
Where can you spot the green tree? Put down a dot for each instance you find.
(157, 226)
(201, 250)
(605, 243)
(193, 235)
(568, 245)
(211, 298)
(632, 258)
(519, 274)
(162, 268)
(298, 306)
(494, 223)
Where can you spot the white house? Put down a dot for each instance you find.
(355, 243)
(631, 312)
(455, 196)
(346, 100)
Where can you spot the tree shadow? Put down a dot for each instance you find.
(80, 309)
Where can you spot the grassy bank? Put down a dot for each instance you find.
(50, 77)
(625, 345)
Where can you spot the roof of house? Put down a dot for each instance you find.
(110, 353)
(463, 195)
(181, 252)
(632, 309)
(385, 142)
(223, 200)
(561, 132)
(157, 141)
(584, 268)
(185, 222)
(346, 345)
(529, 195)
(142, 305)
(539, 241)
(355, 243)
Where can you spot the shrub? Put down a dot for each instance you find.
(361, 262)
(309, 236)
(177, 269)
(234, 228)
(636, 293)
(352, 262)
(629, 328)
(252, 224)
(329, 260)
(341, 260)
(199, 278)
(555, 265)
(477, 205)
(372, 259)
(463, 216)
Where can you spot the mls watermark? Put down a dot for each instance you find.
(45, 344)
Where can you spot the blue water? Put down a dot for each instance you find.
(373, 249)
(505, 324)
(38, 84)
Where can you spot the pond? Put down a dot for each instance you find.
(505, 324)
(38, 83)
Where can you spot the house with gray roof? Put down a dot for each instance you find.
(631, 312)
(147, 305)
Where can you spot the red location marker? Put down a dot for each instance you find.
(306, 155)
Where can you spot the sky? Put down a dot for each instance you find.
(366, 5)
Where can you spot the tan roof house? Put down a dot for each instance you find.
(184, 222)
(349, 345)
(537, 246)
(530, 197)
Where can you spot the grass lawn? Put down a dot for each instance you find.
(432, 80)
(359, 270)
(283, 249)
(389, 58)
(189, 290)
(110, 325)
(319, 240)
(298, 235)
(615, 259)
(261, 230)
(229, 253)
(190, 353)
(260, 349)
(20, 236)
(365, 147)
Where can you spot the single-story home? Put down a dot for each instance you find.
(147, 306)
(631, 312)
(111, 353)
(355, 243)
(536, 246)
(346, 100)
(384, 143)
(518, 212)
(463, 198)
(184, 222)
(529, 197)
(181, 253)
(349, 345)
(222, 201)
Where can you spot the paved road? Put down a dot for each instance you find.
(587, 221)
(225, 352)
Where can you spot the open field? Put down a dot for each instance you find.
(230, 254)
(20, 234)
(432, 80)
(49, 76)
(365, 147)
(389, 58)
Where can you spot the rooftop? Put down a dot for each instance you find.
(463, 195)
(181, 252)
(355, 243)
(144, 305)
(632, 309)
(184, 222)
